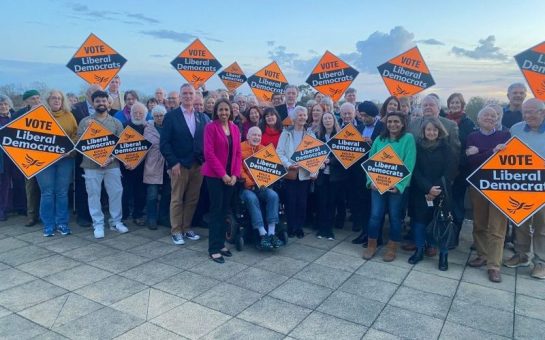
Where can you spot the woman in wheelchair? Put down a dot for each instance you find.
(253, 196)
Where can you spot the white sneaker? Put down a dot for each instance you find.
(120, 228)
(99, 232)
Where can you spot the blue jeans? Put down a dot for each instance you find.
(54, 182)
(252, 200)
(394, 204)
(420, 237)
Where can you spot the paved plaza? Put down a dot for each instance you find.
(140, 286)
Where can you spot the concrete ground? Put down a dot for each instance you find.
(140, 286)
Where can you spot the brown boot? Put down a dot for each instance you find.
(371, 249)
(390, 253)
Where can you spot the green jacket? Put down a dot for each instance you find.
(405, 148)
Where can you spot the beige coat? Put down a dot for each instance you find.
(154, 163)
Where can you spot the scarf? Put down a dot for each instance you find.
(456, 116)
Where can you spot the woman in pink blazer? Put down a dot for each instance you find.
(222, 163)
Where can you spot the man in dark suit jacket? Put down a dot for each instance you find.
(182, 146)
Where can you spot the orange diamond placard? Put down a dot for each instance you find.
(532, 65)
(196, 64)
(267, 81)
(407, 74)
(348, 146)
(311, 153)
(513, 179)
(265, 166)
(232, 77)
(131, 147)
(96, 62)
(332, 76)
(35, 141)
(97, 143)
(385, 169)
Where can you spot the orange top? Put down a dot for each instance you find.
(246, 151)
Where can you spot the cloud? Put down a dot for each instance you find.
(367, 55)
(378, 48)
(62, 47)
(430, 42)
(177, 36)
(83, 12)
(142, 17)
(159, 55)
(486, 49)
(270, 43)
(170, 35)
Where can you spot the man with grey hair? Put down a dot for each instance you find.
(160, 96)
(531, 131)
(182, 146)
(240, 99)
(350, 96)
(516, 93)
(291, 92)
(431, 106)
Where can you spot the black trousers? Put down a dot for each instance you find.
(81, 202)
(326, 205)
(134, 191)
(220, 204)
(296, 203)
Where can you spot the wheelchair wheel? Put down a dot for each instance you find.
(239, 243)
(231, 230)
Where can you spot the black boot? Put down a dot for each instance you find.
(417, 256)
(443, 261)
(362, 238)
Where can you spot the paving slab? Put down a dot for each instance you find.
(528, 328)
(530, 307)
(369, 288)
(408, 324)
(111, 289)
(149, 331)
(454, 331)
(151, 273)
(258, 280)
(275, 314)
(105, 323)
(322, 326)
(351, 308)
(236, 329)
(148, 304)
(281, 265)
(29, 294)
(481, 317)
(383, 271)
(77, 277)
(421, 302)
(340, 261)
(228, 299)
(486, 296)
(119, 262)
(218, 271)
(186, 285)
(12, 277)
(322, 275)
(431, 283)
(16, 257)
(49, 265)
(191, 320)
(15, 327)
(301, 293)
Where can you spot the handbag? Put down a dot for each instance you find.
(441, 229)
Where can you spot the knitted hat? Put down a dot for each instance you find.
(369, 108)
(30, 93)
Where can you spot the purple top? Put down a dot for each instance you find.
(485, 144)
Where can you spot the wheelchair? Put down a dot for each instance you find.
(239, 230)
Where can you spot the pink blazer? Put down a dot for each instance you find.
(216, 150)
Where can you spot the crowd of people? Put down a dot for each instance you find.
(194, 170)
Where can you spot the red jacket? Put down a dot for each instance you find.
(270, 136)
(216, 150)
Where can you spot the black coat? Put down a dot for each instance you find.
(431, 165)
(465, 128)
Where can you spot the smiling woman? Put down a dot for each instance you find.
(221, 169)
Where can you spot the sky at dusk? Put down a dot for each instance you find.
(467, 45)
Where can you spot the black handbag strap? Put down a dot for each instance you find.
(446, 203)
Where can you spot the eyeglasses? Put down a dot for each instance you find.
(531, 112)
